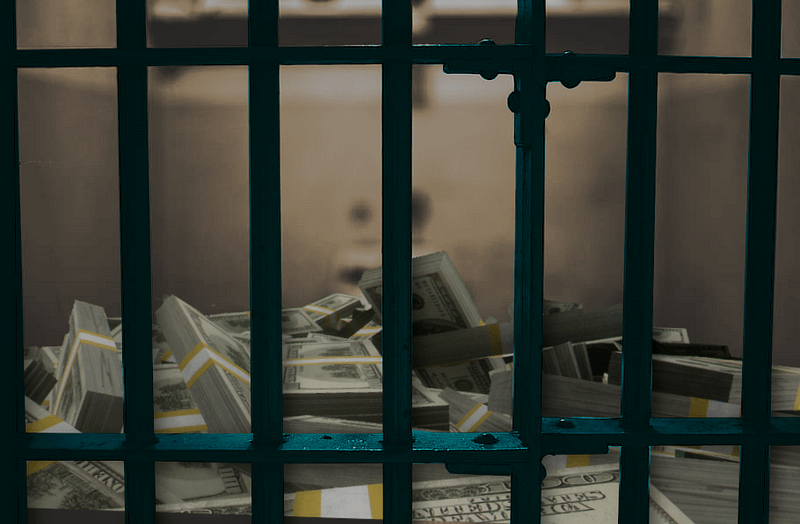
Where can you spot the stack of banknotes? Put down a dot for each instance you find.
(40, 372)
(463, 369)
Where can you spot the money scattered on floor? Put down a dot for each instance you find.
(462, 381)
(581, 495)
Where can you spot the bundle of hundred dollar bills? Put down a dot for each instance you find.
(463, 369)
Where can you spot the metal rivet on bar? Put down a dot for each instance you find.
(490, 74)
(564, 423)
(569, 80)
(514, 102)
(486, 438)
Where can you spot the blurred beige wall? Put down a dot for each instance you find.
(463, 162)
(65, 23)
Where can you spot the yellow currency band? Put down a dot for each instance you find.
(322, 310)
(193, 415)
(797, 399)
(480, 421)
(166, 355)
(474, 418)
(330, 316)
(177, 413)
(308, 503)
(376, 500)
(367, 331)
(201, 358)
(495, 342)
(577, 461)
(43, 424)
(698, 408)
(37, 465)
(471, 412)
(82, 337)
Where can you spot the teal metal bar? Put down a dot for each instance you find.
(586, 435)
(265, 231)
(529, 84)
(755, 431)
(265, 288)
(15, 496)
(137, 315)
(638, 273)
(265, 254)
(265, 264)
(396, 302)
(396, 24)
(762, 185)
(284, 55)
(419, 54)
(396, 241)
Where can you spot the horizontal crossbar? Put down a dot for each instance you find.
(502, 56)
(586, 435)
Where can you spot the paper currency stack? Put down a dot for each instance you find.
(463, 369)
(441, 301)
(88, 394)
(215, 366)
(40, 372)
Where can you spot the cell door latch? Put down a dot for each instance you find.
(568, 68)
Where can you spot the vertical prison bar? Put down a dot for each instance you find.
(265, 234)
(762, 181)
(14, 498)
(266, 414)
(529, 262)
(134, 195)
(396, 243)
(638, 272)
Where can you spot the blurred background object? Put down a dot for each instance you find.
(330, 165)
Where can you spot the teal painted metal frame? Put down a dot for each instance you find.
(518, 452)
